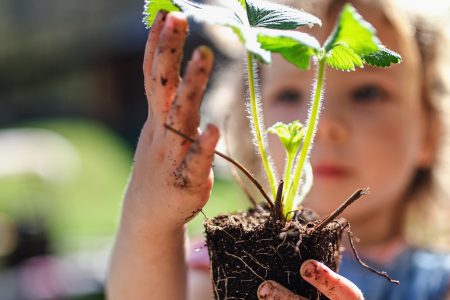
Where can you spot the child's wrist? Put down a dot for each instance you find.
(147, 219)
(150, 228)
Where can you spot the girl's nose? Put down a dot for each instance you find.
(332, 126)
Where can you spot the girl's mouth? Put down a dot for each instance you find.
(329, 171)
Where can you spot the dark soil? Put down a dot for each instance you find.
(248, 248)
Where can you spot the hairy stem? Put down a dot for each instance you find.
(287, 171)
(309, 137)
(258, 127)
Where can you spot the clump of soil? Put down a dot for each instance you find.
(248, 248)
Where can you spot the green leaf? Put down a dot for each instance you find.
(290, 135)
(277, 16)
(152, 7)
(343, 58)
(225, 16)
(202, 13)
(382, 58)
(352, 30)
(296, 47)
(249, 36)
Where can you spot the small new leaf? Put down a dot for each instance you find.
(152, 7)
(343, 58)
(290, 135)
(352, 30)
(267, 14)
(382, 58)
(296, 47)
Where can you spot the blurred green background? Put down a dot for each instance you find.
(86, 206)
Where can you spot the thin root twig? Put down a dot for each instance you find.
(246, 265)
(356, 195)
(233, 170)
(381, 273)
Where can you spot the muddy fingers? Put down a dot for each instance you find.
(270, 290)
(195, 169)
(328, 282)
(184, 113)
(150, 48)
(166, 65)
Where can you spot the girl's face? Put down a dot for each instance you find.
(371, 130)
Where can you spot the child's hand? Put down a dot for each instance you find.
(172, 177)
(332, 285)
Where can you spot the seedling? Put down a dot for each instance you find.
(256, 246)
(265, 27)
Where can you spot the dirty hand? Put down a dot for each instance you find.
(172, 177)
(332, 285)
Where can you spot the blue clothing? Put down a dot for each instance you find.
(423, 275)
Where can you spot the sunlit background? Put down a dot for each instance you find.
(71, 108)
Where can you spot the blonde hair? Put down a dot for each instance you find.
(424, 39)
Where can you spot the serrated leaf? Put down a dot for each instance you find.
(224, 16)
(295, 47)
(290, 135)
(382, 58)
(152, 7)
(352, 30)
(209, 14)
(267, 14)
(343, 58)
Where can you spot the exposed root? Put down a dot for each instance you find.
(233, 170)
(249, 248)
(381, 273)
(356, 195)
(245, 264)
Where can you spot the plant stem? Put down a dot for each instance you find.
(309, 136)
(258, 127)
(277, 211)
(287, 171)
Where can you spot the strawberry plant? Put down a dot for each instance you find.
(276, 242)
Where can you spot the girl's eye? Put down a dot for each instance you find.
(288, 96)
(368, 94)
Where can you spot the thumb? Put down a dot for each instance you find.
(271, 290)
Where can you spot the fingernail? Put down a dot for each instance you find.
(201, 53)
(210, 128)
(172, 19)
(163, 14)
(170, 22)
(308, 269)
(265, 290)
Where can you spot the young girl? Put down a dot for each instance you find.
(379, 128)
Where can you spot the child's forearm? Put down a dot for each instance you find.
(148, 262)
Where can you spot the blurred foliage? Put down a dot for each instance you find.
(88, 204)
